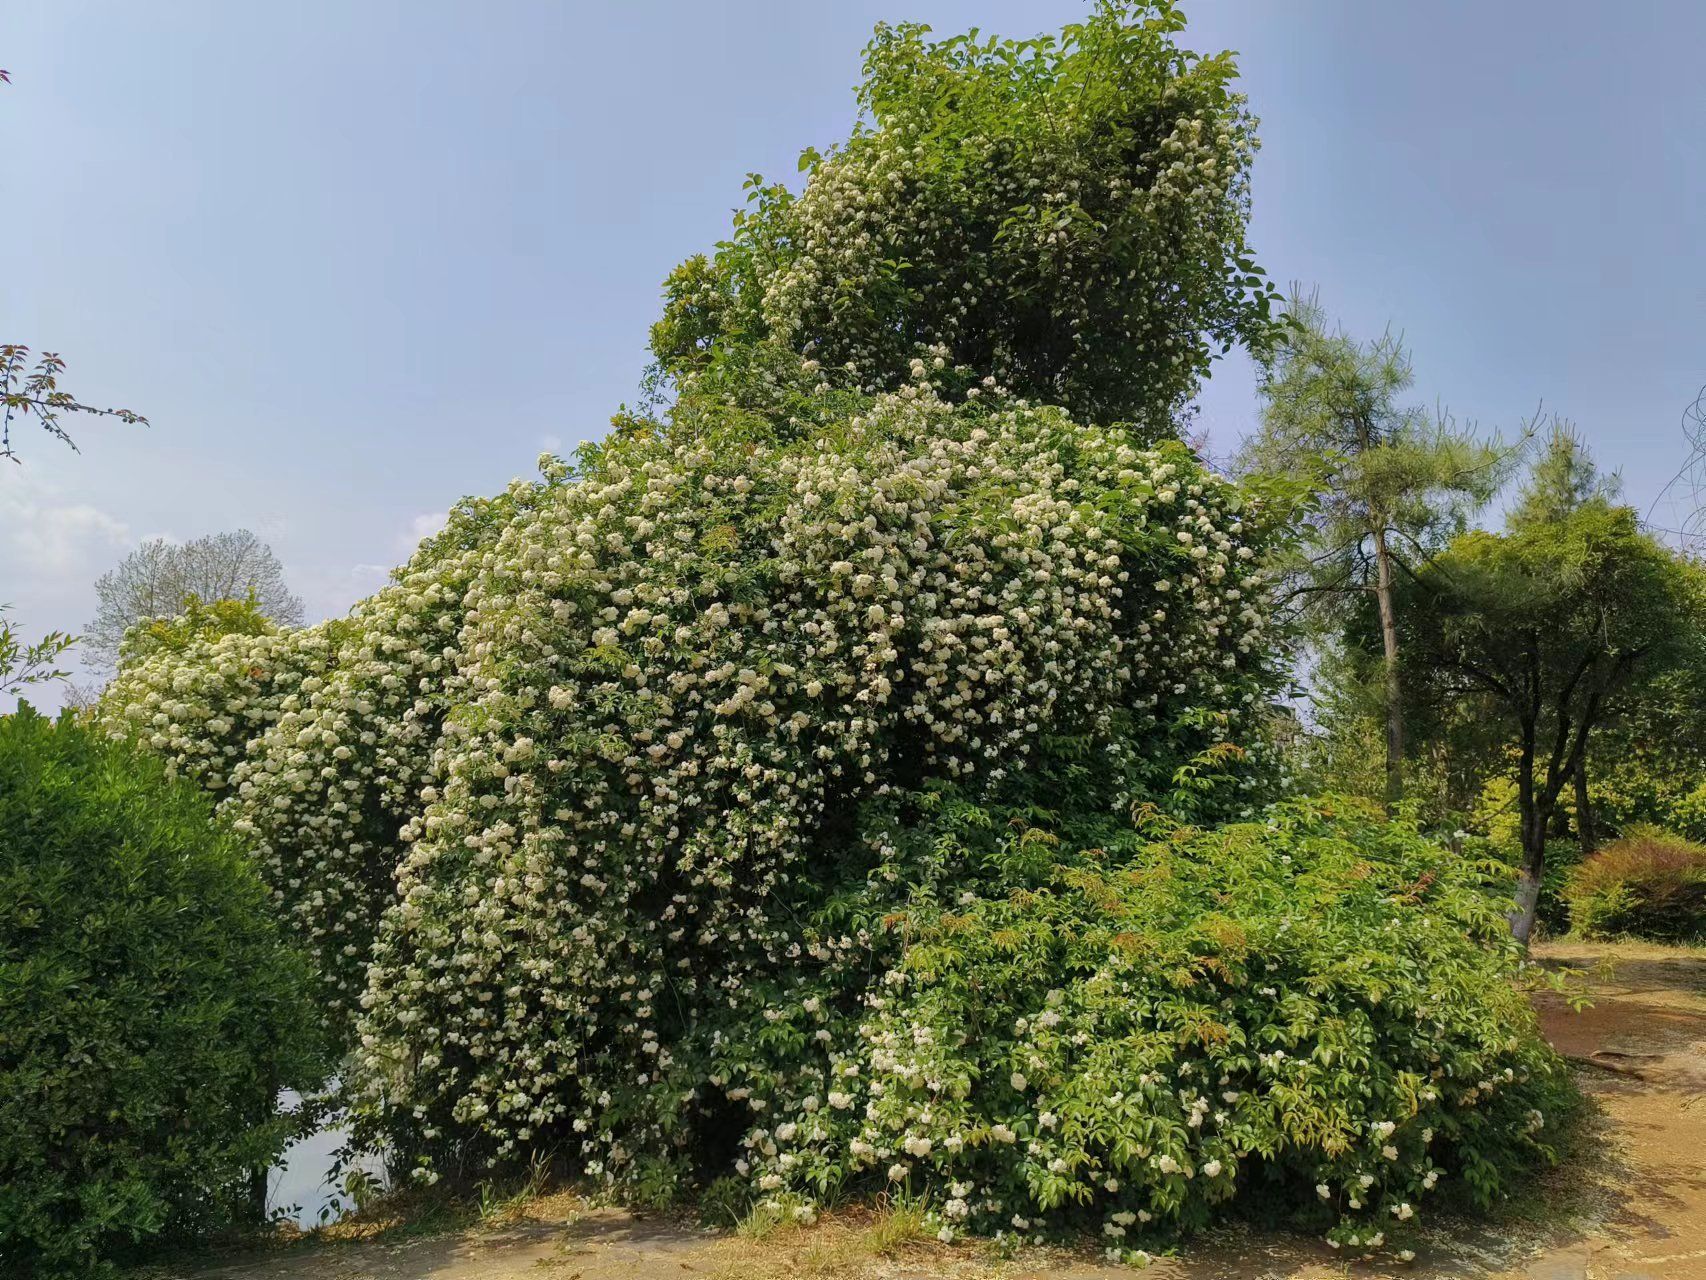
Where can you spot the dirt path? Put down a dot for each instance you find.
(1633, 1208)
(1646, 1205)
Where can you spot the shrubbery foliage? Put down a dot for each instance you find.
(672, 688)
(1314, 1011)
(677, 812)
(200, 619)
(1649, 884)
(1065, 214)
(150, 1009)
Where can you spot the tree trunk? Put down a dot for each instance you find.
(1389, 645)
(257, 1196)
(1533, 863)
(1528, 880)
(1585, 833)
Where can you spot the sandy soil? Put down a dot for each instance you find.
(1631, 1207)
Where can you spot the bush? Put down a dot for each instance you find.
(1315, 1014)
(200, 620)
(633, 762)
(1552, 912)
(318, 741)
(1649, 884)
(149, 1011)
(1653, 781)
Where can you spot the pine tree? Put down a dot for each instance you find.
(1393, 483)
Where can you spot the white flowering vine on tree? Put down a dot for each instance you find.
(667, 814)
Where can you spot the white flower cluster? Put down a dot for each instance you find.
(1075, 232)
(554, 798)
(201, 709)
(319, 742)
(689, 667)
(883, 198)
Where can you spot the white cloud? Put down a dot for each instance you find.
(51, 551)
(45, 538)
(422, 526)
(329, 590)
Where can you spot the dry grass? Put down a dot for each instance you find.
(409, 1213)
(849, 1245)
(1572, 948)
(1671, 973)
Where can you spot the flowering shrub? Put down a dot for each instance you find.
(1316, 1010)
(200, 620)
(202, 702)
(1649, 884)
(646, 714)
(652, 814)
(150, 1009)
(320, 739)
(693, 671)
(1066, 214)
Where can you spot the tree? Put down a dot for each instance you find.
(1551, 627)
(24, 664)
(1393, 481)
(35, 392)
(28, 391)
(1649, 767)
(1563, 480)
(159, 578)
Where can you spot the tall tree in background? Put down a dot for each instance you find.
(1551, 628)
(1394, 482)
(162, 579)
(1563, 480)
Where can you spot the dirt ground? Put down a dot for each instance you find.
(1632, 1206)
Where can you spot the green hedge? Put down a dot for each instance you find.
(149, 1009)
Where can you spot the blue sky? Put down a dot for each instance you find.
(356, 260)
